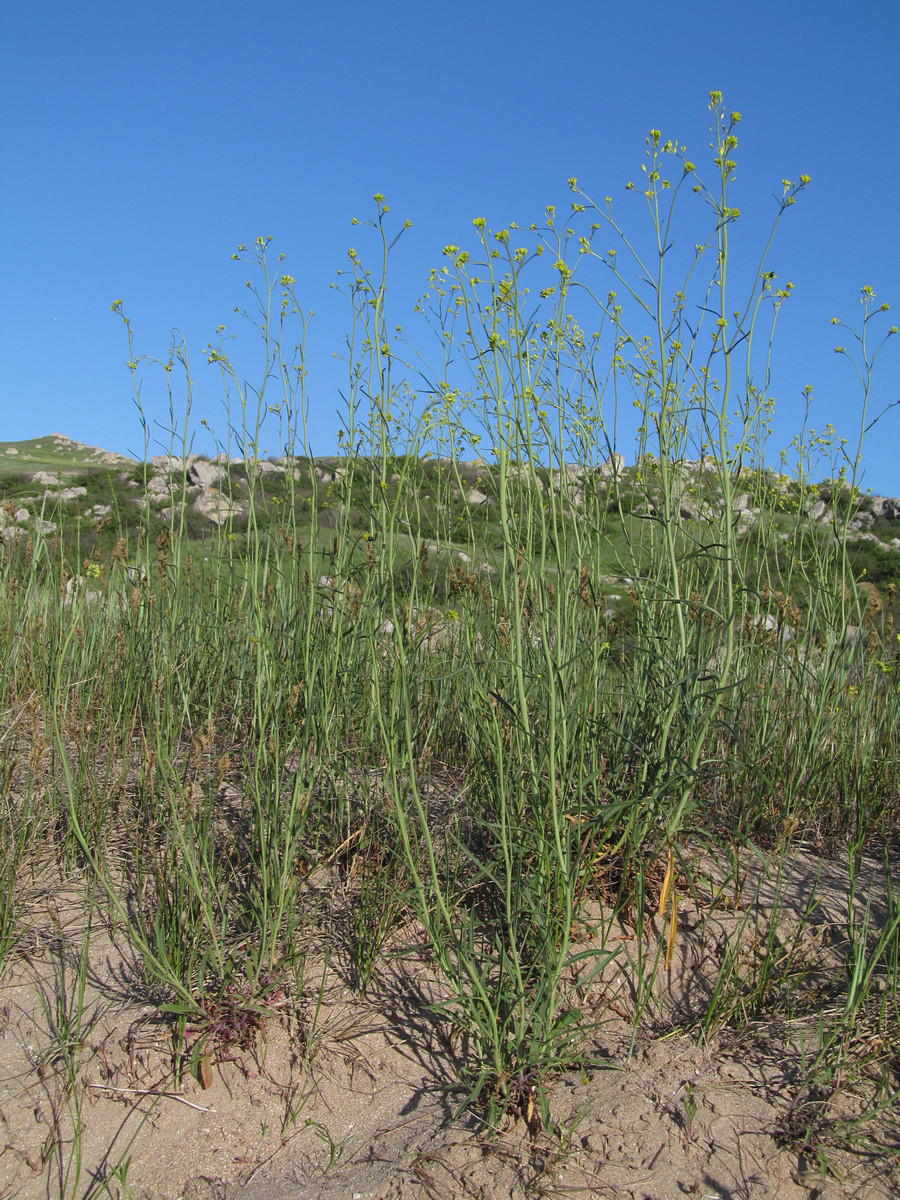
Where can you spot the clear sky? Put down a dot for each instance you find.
(141, 143)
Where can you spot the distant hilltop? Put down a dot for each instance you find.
(77, 452)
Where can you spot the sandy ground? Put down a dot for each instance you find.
(349, 1097)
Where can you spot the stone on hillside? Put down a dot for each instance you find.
(571, 472)
(769, 624)
(204, 473)
(109, 457)
(861, 520)
(11, 450)
(613, 466)
(261, 466)
(44, 479)
(159, 487)
(529, 474)
(476, 497)
(216, 507)
(173, 464)
(174, 511)
(20, 516)
(886, 506)
(741, 502)
(818, 510)
(848, 638)
(745, 521)
(64, 494)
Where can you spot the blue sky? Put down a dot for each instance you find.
(143, 142)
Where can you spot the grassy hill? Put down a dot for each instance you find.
(91, 498)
